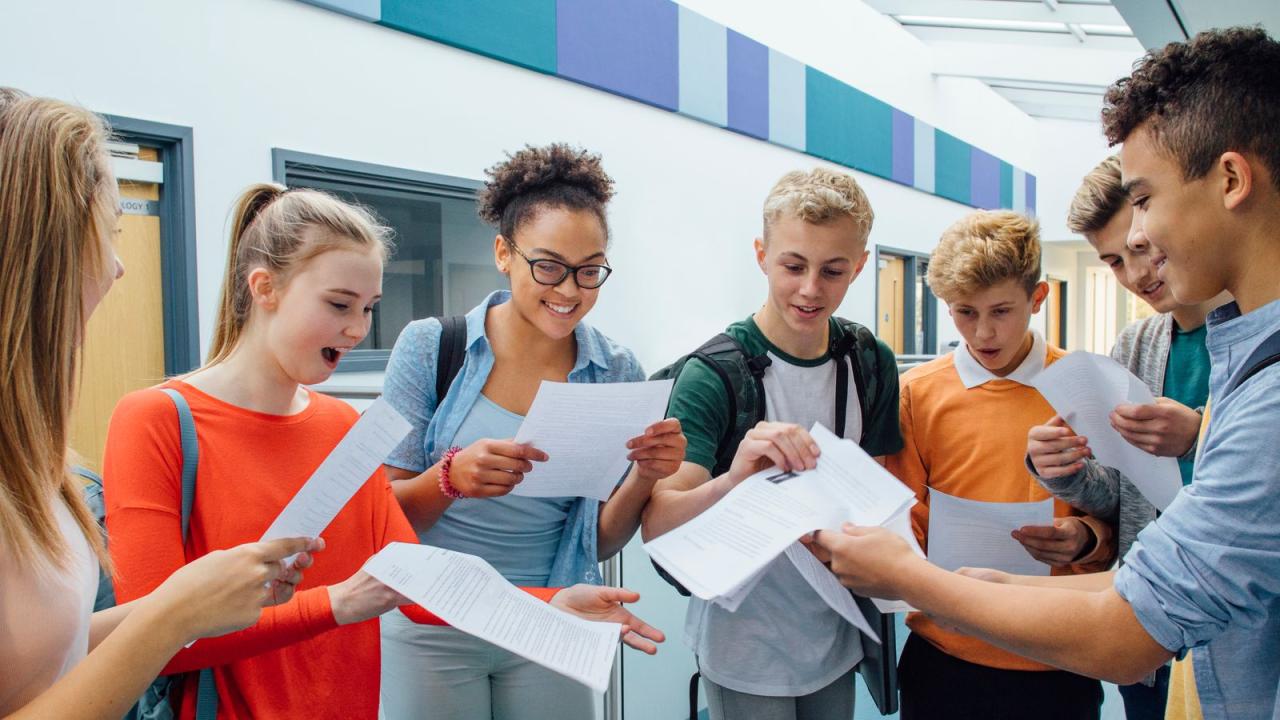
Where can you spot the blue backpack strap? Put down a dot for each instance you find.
(206, 691)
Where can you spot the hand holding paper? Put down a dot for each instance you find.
(584, 429)
(1084, 389)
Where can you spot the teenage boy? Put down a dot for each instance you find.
(1168, 352)
(965, 418)
(784, 653)
(1200, 123)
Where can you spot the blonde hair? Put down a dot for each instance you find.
(983, 249)
(278, 229)
(1099, 198)
(55, 206)
(818, 196)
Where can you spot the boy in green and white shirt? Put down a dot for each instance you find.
(783, 653)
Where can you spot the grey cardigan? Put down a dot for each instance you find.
(1103, 492)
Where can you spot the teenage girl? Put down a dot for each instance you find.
(304, 272)
(58, 216)
(454, 472)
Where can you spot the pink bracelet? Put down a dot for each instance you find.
(446, 463)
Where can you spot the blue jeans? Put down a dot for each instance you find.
(1146, 703)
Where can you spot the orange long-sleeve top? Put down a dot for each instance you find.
(971, 443)
(296, 660)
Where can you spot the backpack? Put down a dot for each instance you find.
(855, 348)
(155, 704)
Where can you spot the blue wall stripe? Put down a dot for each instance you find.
(627, 47)
(362, 9)
(748, 86)
(924, 160)
(703, 68)
(521, 32)
(786, 101)
(663, 54)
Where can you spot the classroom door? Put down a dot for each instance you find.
(891, 303)
(124, 342)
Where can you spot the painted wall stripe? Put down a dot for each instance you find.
(1031, 195)
(627, 47)
(703, 68)
(786, 101)
(1006, 185)
(521, 32)
(1019, 191)
(925, 160)
(748, 86)
(984, 179)
(904, 144)
(362, 9)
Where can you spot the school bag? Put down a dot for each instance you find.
(855, 348)
(156, 704)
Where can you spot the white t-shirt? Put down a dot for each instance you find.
(44, 616)
(783, 641)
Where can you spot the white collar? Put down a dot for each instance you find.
(972, 373)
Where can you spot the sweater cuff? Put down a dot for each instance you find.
(1104, 547)
(543, 594)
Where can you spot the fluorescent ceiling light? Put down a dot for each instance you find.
(1041, 26)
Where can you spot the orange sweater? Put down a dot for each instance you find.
(295, 661)
(971, 443)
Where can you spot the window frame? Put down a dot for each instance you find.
(915, 268)
(287, 164)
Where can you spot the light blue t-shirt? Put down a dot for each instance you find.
(518, 536)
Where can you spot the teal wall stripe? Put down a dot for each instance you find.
(847, 126)
(787, 101)
(951, 167)
(703, 68)
(925, 159)
(663, 54)
(521, 32)
(1006, 185)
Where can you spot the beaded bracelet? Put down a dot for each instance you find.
(447, 487)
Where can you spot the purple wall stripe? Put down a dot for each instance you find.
(748, 86)
(628, 47)
(904, 145)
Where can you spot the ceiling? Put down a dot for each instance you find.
(1055, 58)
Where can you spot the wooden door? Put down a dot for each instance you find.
(891, 303)
(124, 342)
(1054, 325)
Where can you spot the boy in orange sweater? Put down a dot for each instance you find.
(964, 420)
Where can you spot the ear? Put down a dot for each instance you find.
(263, 289)
(1237, 179)
(1038, 295)
(502, 254)
(760, 251)
(857, 268)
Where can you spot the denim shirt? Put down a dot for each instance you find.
(410, 387)
(1206, 574)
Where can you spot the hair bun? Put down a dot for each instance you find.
(541, 171)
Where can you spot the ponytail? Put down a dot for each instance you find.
(233, 308)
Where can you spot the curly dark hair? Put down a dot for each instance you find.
(537, 178)
(1218, 92)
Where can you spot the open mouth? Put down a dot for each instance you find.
(1153, 289)
(560, 311)
(987, 353)
(807, 311)
(332, 355)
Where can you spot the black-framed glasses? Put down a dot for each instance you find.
(546, 271)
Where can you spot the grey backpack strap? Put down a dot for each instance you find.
(206, 691)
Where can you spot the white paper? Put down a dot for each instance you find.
(823, 582)
(732, 600)
(970, 533)
(716, 552)
(899, 525)
(347, 468)
(466, 592)
(1084, 388)
(584, 428)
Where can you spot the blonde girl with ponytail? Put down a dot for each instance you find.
(58, 214)
(304, 271)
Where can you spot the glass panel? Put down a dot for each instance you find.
(443, 259)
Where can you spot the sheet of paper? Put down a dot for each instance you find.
(584, 429)
(348, 466)
(899, 525)
(715, 553)
(732, 600)
(970, 533)
(1084, 388)
(466, 592)
(823, 582)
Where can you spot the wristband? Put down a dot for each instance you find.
(446, 464)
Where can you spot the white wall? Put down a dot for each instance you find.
(1069, 149)
(250, 75)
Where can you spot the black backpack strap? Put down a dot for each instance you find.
(1264, 356)
(452, 351)
(719, 346)
(847, 349)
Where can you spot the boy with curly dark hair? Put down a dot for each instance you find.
(1200, 123)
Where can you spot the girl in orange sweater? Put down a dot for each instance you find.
(304, 272)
